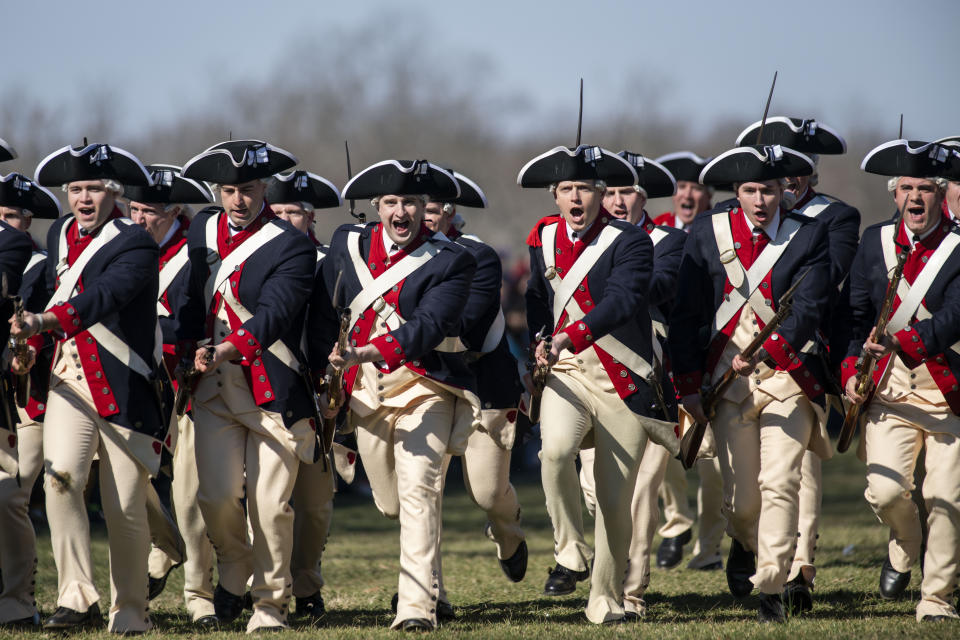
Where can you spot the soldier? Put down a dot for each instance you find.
(162, 210)
(589, 282)
(20, 201)
(915, 404)
(690, 198)
(107, 389)
(743, 260)
(814, 139)
(254, 411)
(627, 203)
(294, 196)
(486, 462)
(409, 392)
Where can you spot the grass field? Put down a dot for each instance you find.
(361, 565)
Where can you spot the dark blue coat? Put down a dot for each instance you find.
(119, 291)
(619, 285)
(274, 286)
(15, 250)
(700, 293)
(498, 381)
(431, 302)
(33, 292)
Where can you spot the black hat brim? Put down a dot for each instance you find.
(586, 162)
(684, 165)
(753, 164)
(913, 158)
(471, 195)
(303, 186)
(238, 161)
(178, 190)
(92, 162)
(403, 178)
(655, 178)
(805, 136)
(7, 152)
(17, 190)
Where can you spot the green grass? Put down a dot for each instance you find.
(361, 565)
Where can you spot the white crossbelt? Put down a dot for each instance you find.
(564, 290)
(372, 289)
(70, 277)
(35, 259)
(168, 274)
(219, 279)
(911, 296)
(813, 208)
(496, 329)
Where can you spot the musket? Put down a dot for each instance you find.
(866, 363)
(580, 115)
(711, 395)
(900, 133)
(187, 378)
(766, 109)
(360, 217)
(18, 346)
(539, 373)
(334, 380)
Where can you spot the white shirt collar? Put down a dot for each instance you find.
(231, 224)
(172, 230)
(678, 223)
(580, 234)
(953, 216)
(914, 239)
(771, 229)
(389, 245)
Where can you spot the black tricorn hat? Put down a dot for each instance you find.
(755, 163)
(91, 162)
(913, 158)
(169, 187)
(655, 178)
(803, 135)
(586, 162)
(403, 178)
(238, 161)
(303, 186)
(684, 165)
(471, 195)
(950, 141)
(7, 152)
(17, 190)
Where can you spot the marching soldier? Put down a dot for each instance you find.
(486, 462)
(162, 210)
(107, 388)
(409, 392)
(690, 200)
(743, 260)
(254, 410)
(915, 405)
(294, 196)
(813, 139)
(589, 286)
(20, 200)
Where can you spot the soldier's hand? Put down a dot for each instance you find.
(20, 368)
(31, 325)
(850, 390)
(693, 405)
(880, 348)
(209, 358)
(325, 410)
(743, 366)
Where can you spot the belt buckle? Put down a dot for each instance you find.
(728, 256)
(379, 304)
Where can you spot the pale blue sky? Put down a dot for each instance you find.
(853, 62)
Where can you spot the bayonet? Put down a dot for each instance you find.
(766, 109)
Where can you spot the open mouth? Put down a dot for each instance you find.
(577, 214)
(402, 227)
(87, 211)
(686, 207)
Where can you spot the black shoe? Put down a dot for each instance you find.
(631, 616)
(206, 623)
(563, 581)
(65, 619)
(310, 609)
(515, 567)
(155, 585)
(713, 566)
(771, 608)
(741, 565)
(798, 595)
(227, 605)
(670, 552)
(276, 629)
(615, 621)
(892, 582)
(416, 624)
(23, 624)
